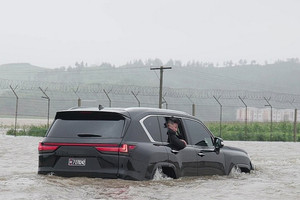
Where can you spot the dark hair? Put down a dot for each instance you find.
(173, 120)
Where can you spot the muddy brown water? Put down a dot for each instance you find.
(276, 176)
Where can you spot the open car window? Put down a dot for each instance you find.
(164, 129)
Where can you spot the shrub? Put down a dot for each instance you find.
(38, 131)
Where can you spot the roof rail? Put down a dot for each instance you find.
(100, 107)
(73, 108)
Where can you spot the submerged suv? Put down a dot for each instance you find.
(131, 143)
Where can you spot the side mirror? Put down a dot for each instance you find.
(218, 143)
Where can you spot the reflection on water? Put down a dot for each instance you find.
(276, 176)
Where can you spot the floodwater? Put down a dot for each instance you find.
(277, 176)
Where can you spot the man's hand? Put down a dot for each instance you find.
(184, 142)
(173, 127)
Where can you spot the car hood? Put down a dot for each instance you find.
(235, 149)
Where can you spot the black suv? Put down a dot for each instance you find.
(131, 143)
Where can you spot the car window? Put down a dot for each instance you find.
(86, 128)
(151, 124)
(163, 128)
(87, 124)
(198, 134)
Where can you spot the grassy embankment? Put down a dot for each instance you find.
(282, 131)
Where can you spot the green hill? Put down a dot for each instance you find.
(282, 77)
(20, 71)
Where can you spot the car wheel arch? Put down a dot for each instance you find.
(166, 168)
(239, 160)
(242, 168)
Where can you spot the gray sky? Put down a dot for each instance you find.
(54, 33)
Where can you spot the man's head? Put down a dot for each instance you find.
(172, 124)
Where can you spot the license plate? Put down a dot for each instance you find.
(77, 162)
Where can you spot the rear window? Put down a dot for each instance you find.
(87, 124)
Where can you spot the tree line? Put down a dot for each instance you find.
(80, 65)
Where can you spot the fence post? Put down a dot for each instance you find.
(221, 110)
(106, 93)
(295, 125)
(194, 109)
(17, 103)
(48, 98)
(135, 95)
(79, 100)
(268, 104)
(193, 106)
(164, 101)
(246, 116)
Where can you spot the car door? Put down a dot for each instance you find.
(151, 127)
(185, 160)
(209, 161)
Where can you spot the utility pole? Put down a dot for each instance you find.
(161, 68)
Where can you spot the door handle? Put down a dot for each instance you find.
(159, 144)
(174, 151)
(201, 154)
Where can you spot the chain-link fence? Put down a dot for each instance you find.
(28, 100)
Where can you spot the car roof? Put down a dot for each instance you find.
(130, 111)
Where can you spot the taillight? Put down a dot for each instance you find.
(46, 148)
(124, 148)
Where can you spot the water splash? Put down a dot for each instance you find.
(235, 172)
(159, 175)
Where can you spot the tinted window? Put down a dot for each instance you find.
(198, 133)
(88, 115)
(151, 124)
(163, 128)
(87, 124)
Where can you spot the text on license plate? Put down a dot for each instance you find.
(77, 162)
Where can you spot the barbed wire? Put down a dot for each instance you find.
(190, 93)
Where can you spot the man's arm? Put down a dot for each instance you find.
(174, 140)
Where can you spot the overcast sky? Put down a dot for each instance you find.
(54, 33)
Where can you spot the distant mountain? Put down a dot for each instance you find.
(20, 71)
(280, 77)
(21, 66)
